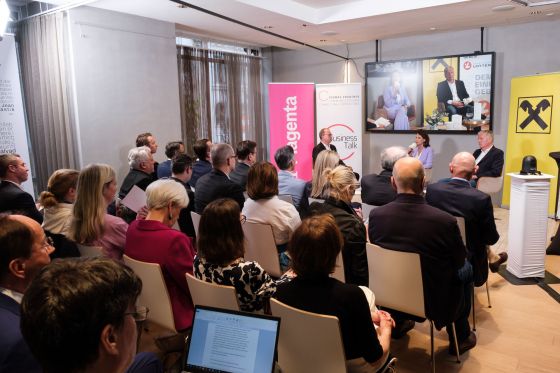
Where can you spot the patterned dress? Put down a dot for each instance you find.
(252, 284)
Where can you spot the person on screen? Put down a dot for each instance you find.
(421, 149)
(453, 94)
(397, 102)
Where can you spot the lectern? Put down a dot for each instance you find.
(528, 214)
(556, 157)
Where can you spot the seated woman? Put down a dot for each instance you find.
(57, 202)
(220, 256)
(314, 248)
(421, 149)
(325, 159)
(154, 240)
(91, 225)
(338, 190)
(263, 205)
(397, 102)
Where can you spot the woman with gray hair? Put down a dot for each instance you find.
(154, 240)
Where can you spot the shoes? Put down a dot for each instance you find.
(494, 267)
(402, 328)
(464, 346)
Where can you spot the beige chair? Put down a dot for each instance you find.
(461, 224)
(154, 292)
(366, 209)
(287, 198)
(195, 221)
(209, 294)
(339, 269)
(90, 251)
(261, 247)
(395, 277)
(491, 185)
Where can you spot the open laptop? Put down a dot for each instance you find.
(231, 341)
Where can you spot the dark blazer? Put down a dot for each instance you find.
(185, 219)
(319, 148)
(239, 175)
(135, 177)
(200, 168)
(377, 189)
(14, 352)
(410, 224)
(444, 92)
(492, 164)
(459, 198)
(17, 200)
(214, 185)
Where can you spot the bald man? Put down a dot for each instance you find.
(410, 224)
(459, 198)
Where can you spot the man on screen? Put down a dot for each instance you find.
(453, 94)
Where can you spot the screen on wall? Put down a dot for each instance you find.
(437, 94)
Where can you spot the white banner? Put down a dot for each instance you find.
(476, 72)
(339, 108)
(13, 135)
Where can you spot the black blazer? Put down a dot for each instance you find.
(239, 174)
(492, 164)
(16, 200)
(410, 224)
(214, 185)
(377, 189)
(458, 198)
(319, 148)
(185, 219)
(444, 92)
(135, 177)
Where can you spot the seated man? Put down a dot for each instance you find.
(489, 159)
(246, 157)
(458, 198)
(202, 166)
(453, 94)
(409, 224)
(172, 149)
(288, 182)
(24, 250)
(88, 323)
(377, 189)
(216, 184)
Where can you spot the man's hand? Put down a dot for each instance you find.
(458, 104)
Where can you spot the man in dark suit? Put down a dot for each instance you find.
(182, 173)
(459, 198)
(24, 251)
(246, 157)
(377, 189)
(13, 172)
(216, 184)
(489, 159)
(325, 137)
(409, 224)
(453, 94)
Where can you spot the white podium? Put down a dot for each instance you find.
(528, 223)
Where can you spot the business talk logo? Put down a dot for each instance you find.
(534, 114)
(345, 140)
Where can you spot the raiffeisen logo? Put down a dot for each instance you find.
(467, 65)
(345, 140)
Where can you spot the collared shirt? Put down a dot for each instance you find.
(483, 153)
(12, 294)
(453, 88)
(328, 147)
(460, 178)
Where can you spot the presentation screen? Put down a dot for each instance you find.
(437, 94)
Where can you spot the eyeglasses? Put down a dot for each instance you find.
(140, 313)
(48, 242)
(243, 219)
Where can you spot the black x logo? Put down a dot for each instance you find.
(534, 113)
(439, 61)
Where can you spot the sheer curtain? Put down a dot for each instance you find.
(47, 94)
(221, 97)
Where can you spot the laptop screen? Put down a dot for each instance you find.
(231, 341)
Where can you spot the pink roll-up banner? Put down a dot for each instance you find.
(292, 122)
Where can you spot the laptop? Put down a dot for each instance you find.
(225, 341)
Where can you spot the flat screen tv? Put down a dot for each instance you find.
(407, 95)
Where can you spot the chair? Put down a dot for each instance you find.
(261, 247)
(195, 221)
(380, 110)
(213, 295)
(154, 292)
(461, 224)
(311, 200)
(395, 277)
(90, 251)
(339, 269)
(366, 209)
(287, 198)
(490, 185)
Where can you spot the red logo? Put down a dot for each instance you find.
(341, 129)
(467, 65)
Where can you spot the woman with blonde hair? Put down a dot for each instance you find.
(325, 159)
(58, 200)
(91, 225)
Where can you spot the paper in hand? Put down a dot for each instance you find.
(135, 199)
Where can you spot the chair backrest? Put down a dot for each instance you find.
(209, 294)
(490, 185)
(308, 342)
(154, 292)
(195, 221)
(261, 247)
(339, 269)
(90, 251)
(395, 277)
(311, 200)
(461, 224)
(366, 209)
(286, 197)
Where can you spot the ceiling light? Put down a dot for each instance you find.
(535, 12)
(323, 40)
(433, 28)
(550, 14)
(503, 8)
(182, 6)
(267, 27)
(305, 25)
(329, 33)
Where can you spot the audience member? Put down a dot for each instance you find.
(409, 224)
(220, 256)
(13, 172)
(339, 188)
(377, 189)
(325, 139)
(489, 159)
(421, 149)
(288, 182)
(141, 174)
(328, 159)
(314, 248)
(154, 240)
(453, 94)
(246, 153)
(396, 102)
(147, 139)
(202, 166)
(24, 250)
(216, 184)
(79, 316)
(458, 198)
(91, 225)
(172, 149)
(182, 173)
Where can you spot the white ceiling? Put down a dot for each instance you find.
(328, 22)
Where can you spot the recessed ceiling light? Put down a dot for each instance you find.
(267, 27)
(329, 33)
(433, 28)
(503, 8)
(182, 6)
(323, 40)
(536, 12)
(305, 25)
(550, 14)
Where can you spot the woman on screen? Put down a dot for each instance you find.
(397, 102)
(421, 149)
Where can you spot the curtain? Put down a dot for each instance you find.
(43, 42)
(221, 97)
